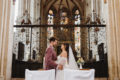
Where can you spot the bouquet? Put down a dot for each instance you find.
(80, 60)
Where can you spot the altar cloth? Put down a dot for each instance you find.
(40, 75)
(70, 74)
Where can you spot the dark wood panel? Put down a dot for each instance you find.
(18, 68)
(101, 68)
(69, 25)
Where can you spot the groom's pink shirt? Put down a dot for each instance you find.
(50, 58)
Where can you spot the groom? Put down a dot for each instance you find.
(50, 56)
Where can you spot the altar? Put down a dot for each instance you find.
(69, 74)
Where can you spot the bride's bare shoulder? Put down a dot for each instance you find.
(64, 54)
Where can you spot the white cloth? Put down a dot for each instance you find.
(40, 75)
(72, 63)
(60, 73)
(70, 74)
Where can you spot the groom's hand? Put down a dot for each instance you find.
(60, 67)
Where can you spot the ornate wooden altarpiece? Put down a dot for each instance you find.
(64, 33)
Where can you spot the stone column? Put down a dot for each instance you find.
(1, 28)
(21, 7)
(5, 41)
(113, 37)
(43, 33)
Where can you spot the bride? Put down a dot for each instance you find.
(66, 58)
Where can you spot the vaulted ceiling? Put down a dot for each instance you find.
(69, 4)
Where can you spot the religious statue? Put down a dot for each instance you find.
(26, 18)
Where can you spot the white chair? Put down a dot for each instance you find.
(40, 75)
(79, 74)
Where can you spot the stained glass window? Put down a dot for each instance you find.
(50, 22)
(77, 33)
(64, 18)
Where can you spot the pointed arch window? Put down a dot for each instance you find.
(64, 18)
(50, 21)
(77, 32)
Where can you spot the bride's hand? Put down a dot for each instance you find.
(60, 67)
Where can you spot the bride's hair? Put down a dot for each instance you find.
(66, 48)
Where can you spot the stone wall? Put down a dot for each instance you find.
(6, 38)
(96, 36)
(24, 34)
(29, 44)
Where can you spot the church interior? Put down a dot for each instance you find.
(90, 27)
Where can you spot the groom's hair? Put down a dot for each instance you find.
(52, 39)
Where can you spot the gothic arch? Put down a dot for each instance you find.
(54, 12)
(75, 2)
(78, 6)
(74, 9)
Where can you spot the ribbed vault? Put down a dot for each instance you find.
(69, 4)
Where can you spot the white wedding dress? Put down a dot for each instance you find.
(68, 63)
(60, 73)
